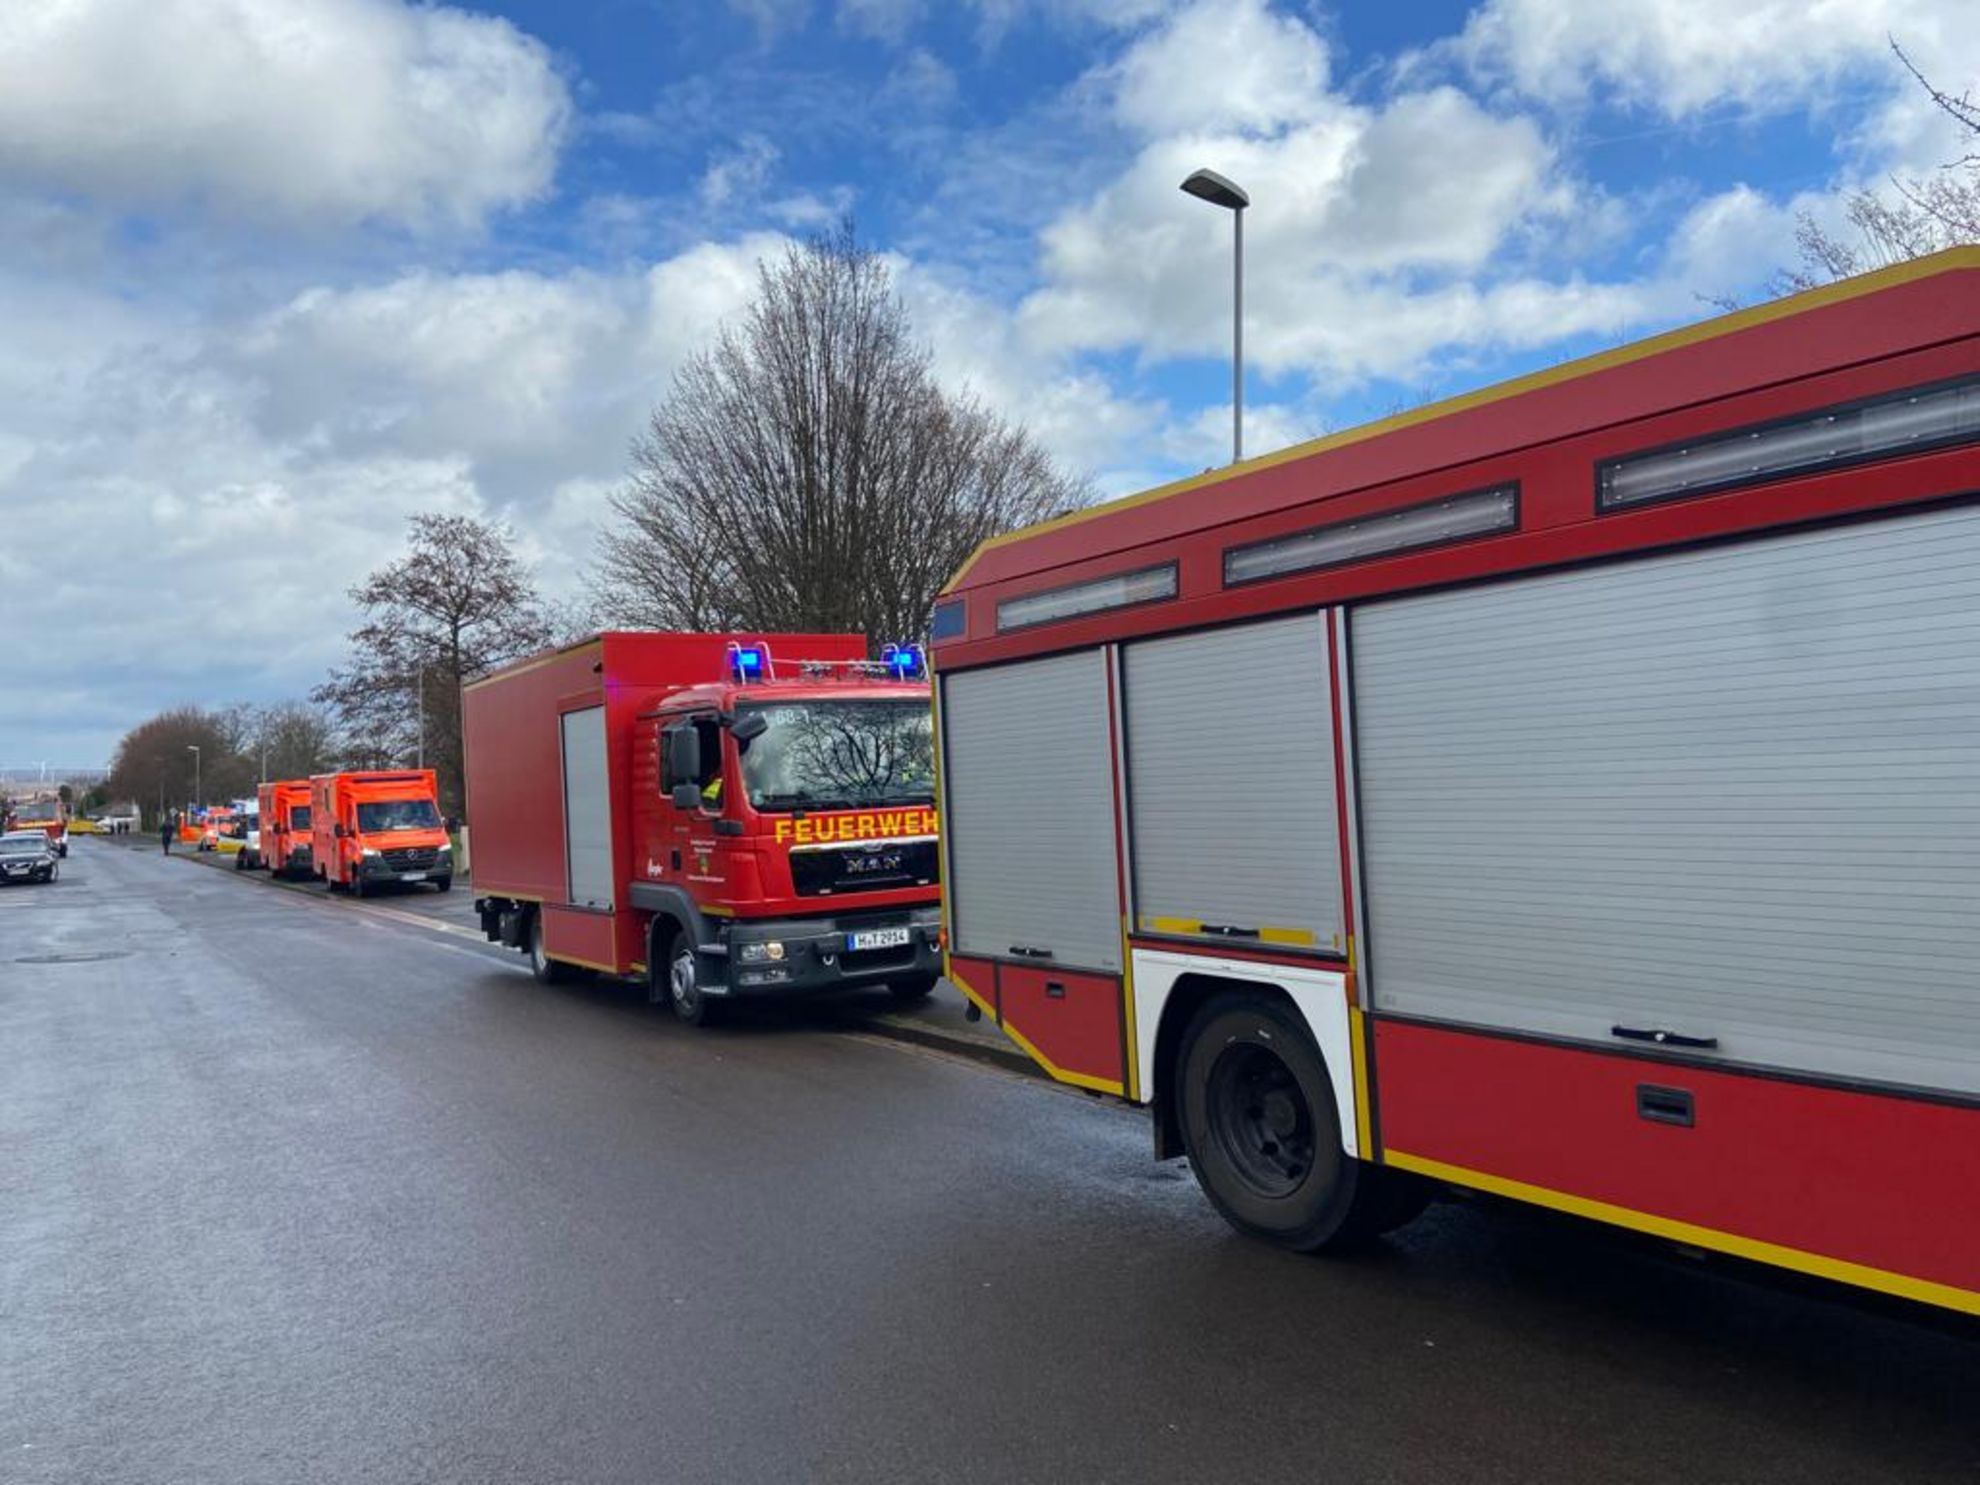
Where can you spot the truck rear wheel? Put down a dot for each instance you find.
(548, 971)
(1259, 1125)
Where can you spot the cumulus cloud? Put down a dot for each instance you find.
(1679, 57)
(1379, 234)
(294, 111)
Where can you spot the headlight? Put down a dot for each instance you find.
(367, 853)
(770, 951)
(447, 850)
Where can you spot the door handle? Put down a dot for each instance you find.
(1662, 1038)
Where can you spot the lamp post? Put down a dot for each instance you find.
(1207, 185)
(199, 793)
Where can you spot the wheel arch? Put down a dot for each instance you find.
(1319, 1009)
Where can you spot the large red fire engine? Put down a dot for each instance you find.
(724, 815)
(1569, 792)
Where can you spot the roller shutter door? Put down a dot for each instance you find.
(1733, 793)
(1027, 779)
(1230, 747)
(587, 809)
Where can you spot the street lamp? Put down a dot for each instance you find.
(199, 794)
(1207, 185)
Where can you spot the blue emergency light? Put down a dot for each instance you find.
(748, 662)
(903, 662)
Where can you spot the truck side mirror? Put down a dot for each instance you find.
(748, 725)
(338, 830)
(686, 797)
(683, 754)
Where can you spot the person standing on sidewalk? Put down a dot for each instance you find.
(167, 828)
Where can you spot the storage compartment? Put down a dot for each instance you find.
(1728, 796)
(1072, 1020)
(1028, 799)
(1855, 1177)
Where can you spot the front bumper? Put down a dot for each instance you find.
(384, 869)
(301, 859)
(816, 958)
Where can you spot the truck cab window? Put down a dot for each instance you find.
(709, 781)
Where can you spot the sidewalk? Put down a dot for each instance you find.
(940, 1022)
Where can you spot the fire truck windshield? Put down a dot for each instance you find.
(397, 814)
(818, 755)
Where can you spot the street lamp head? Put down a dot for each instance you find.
(1207, 185)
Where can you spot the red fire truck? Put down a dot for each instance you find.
(724, 815)
(1569, 792)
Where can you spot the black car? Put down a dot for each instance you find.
(25, 856)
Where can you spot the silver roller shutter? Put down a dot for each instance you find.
(1230, 744)
(1732, 793)
(1027, 777)
(587, 808)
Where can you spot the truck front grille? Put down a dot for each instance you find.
(411, 858)
(882, 867)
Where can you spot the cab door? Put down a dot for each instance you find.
(693, 792)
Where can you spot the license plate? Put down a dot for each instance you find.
(412, 876)
(878, 938)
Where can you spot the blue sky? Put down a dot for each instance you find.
(277, 273)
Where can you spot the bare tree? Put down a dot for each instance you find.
(806, 471)
(153, 763)
(1917, 217)
(458, 603)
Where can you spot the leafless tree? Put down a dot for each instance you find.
(807, 472)
(153, 763)
(1917, 216)
(459, 602)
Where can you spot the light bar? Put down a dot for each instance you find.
(903, 662)
(748, 662)
(1149, 585)
(1882, 428)
(1480, 513)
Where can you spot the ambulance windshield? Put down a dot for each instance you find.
(818, 755)
(397, 814)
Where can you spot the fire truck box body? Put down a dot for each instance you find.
(369, 829)
(1568, 792)
(286, 846)
(584, 856)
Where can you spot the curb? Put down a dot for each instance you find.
(999, 1053)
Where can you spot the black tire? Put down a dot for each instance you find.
(690, 1003)
(443, 884)
(548, 971)
(1263, 1138)
(914, 990)
(360, 887)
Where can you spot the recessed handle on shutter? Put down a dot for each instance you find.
(1027, 951)
(1227, 930)
(1055, 990)
(1664, 1038)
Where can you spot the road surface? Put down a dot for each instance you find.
(292, 1190)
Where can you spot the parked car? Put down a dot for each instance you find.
(27, 856)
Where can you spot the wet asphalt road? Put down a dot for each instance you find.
(295, 1191)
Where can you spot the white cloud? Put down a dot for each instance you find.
(1229, 64)
(285, 110)
(1679, 57)
(739, 173)
(773, 18)
(1365, 219)
(884, 20)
